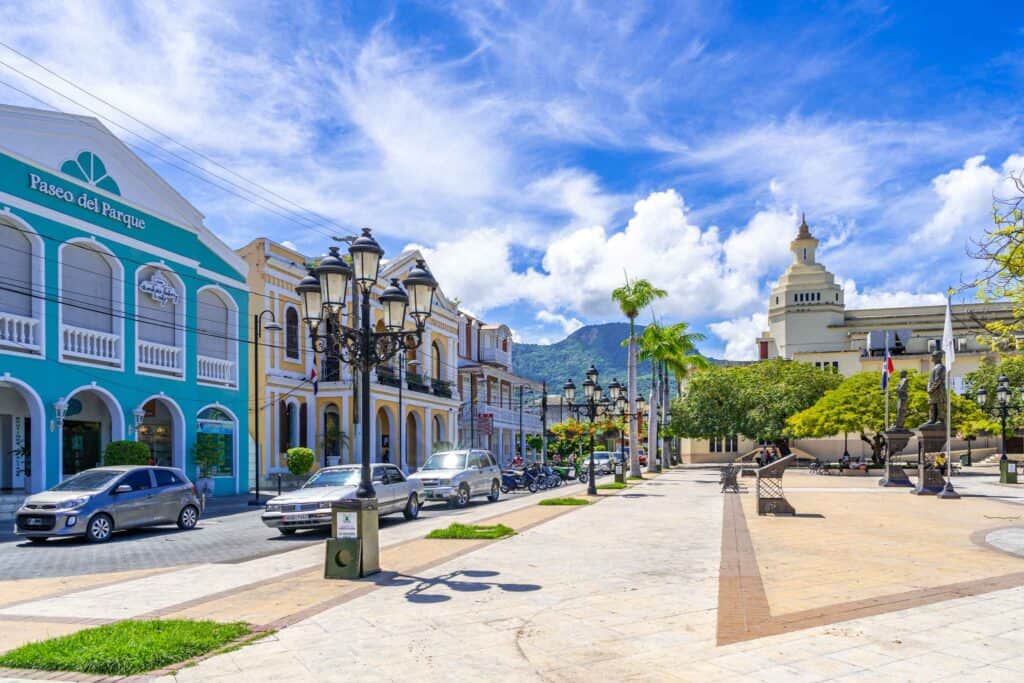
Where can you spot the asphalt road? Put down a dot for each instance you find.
(229, 532)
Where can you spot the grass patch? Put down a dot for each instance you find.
(472, 531)
(125, 648)
(612, 485)
(632, 477)
(564, 501)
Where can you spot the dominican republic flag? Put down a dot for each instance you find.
(888, 369)
(313, 377)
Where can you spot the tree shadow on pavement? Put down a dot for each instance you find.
(456, 581)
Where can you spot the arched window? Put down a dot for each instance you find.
(16, 267)
(87, 291)
(291, 333)
(435, 361)
(91, 295)
(160, 326)
(216, 341)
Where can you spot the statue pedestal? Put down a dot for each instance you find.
(896, 440)
(930, 482)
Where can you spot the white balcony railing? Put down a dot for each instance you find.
(159, 358)
(215, 370)
(91, 345)
(19, 332)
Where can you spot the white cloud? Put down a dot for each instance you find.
(568, 325)
(740, 335)
(288, 244)
(880, 298)
(966, 196)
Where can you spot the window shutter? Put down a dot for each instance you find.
(302, 424)
(282, 426)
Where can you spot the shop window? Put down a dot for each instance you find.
(216, 435)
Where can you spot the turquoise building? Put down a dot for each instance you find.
(121, 315)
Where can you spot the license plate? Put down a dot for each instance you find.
(296, 518)
(34, 521)
(428, 492)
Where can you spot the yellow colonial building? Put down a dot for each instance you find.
(414, 400)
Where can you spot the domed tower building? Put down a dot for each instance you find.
(806, 310)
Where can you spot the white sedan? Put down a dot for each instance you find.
(310, 506)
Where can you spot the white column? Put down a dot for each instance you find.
(346, 426)
(453, 426)
(428, 436)
(428, 356)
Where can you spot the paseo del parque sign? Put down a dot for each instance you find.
(86, 200)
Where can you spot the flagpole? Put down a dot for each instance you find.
(949, 344)
(885, 369)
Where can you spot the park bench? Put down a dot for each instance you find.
(771, 499)
(728, 480)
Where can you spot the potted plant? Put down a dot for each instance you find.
(334, 441)
(207, 454)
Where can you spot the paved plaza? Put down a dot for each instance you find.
(668, 580)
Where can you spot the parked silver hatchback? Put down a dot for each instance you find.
(96, 502)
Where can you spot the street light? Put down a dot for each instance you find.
(593, 405)
(1003, 405)
(258, 326)
(324, 294)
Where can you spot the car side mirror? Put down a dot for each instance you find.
(123, 488)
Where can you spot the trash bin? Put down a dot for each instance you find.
(353, 549)
(965, 460)
(1007, 472)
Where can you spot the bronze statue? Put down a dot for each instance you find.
(937, 390)
(902, 400)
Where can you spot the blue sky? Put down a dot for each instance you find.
(537, 151)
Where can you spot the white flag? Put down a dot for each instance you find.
(948, 344)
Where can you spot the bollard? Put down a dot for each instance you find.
(279, 484)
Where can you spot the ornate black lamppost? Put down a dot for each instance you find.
(324, 295)
(621, 405)
(1003, 405)
(594, 404)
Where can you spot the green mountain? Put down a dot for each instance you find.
(597, 344)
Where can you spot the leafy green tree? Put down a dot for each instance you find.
(987, 377)
(634, 296)
(753, 400)
(858, 405)
(1000, 250)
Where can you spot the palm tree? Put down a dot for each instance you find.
(672, 350)
(633, 297)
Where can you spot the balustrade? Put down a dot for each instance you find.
(19, 332)
(90, 345)
(159, 357)
(215, 370)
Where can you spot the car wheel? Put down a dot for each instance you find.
(100, 528)
(495, 492)
(37, 539)
(188, 518)
(286, 532)
(462, 497)
(412, 508)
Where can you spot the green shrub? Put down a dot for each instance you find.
(612, 485)
(126, 453)
(299, 460)
(564, 501)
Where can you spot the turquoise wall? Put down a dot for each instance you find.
(51, 379)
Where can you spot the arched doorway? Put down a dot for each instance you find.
(437, 433)
(332, 438)
(92, 419)
(22, 437)
(163, 430)
(383, 446)
(412, 442)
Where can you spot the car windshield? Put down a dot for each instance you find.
(333, 478)
(88, 481)
(446, 461)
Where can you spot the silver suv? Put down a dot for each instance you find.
(457, 476)
(95, 502)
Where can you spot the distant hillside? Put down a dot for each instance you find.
(597, 344)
